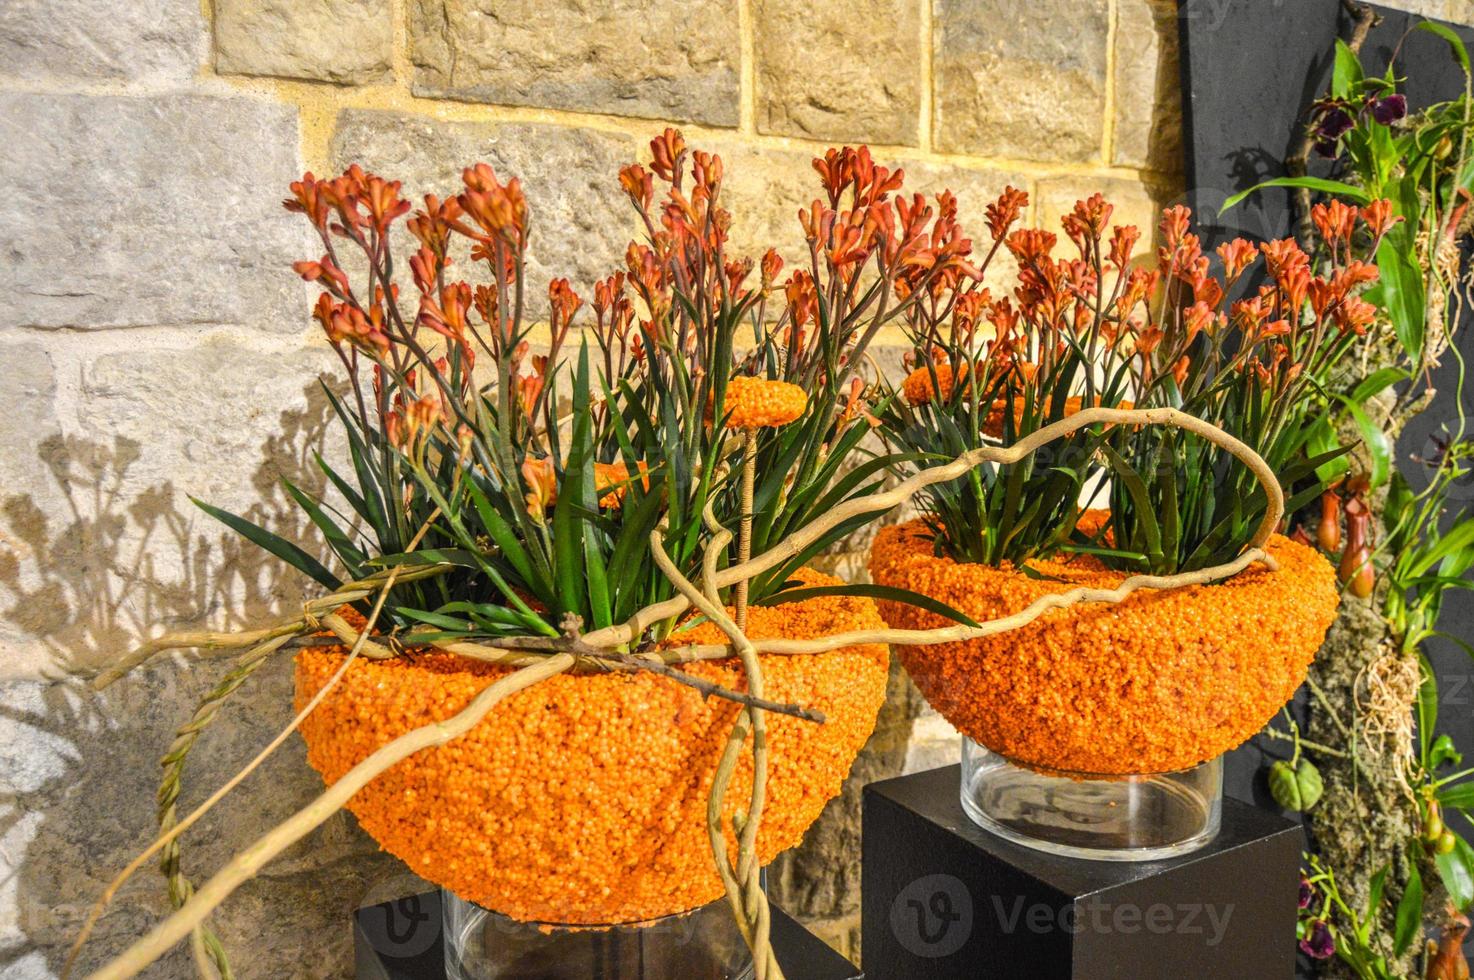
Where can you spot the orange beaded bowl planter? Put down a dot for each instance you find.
(1160, 682)
(1097, 730)
(582, 800)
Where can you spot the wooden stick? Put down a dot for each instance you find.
(182, 922)
(311, 613)
(635, 626)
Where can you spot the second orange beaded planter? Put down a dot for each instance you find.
(1114, 705)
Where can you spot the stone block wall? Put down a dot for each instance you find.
(156, 345)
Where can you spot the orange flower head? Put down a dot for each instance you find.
(918, 386)
(1378, 216)
(542, 486)
(756, 403)
(1002, 213)
(615, 478)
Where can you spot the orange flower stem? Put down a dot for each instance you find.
(744, 539)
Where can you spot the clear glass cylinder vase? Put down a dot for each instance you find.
(704, 944)
(1100, 817)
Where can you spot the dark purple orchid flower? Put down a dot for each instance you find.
(1319, 944)
(1387, 111)
(1307, 893)
(1334, 123)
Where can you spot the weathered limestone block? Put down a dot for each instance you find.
(345, 41)
(78, 772)
(581, 220)
(1457, 11)
(1148, 99)
(1136, 203)
(664, 59)
(839, 71)
(119, 212)
(101, 40)
(28, 400)
(99, 543)
(1029, 85)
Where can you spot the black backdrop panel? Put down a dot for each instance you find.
(1251, 69)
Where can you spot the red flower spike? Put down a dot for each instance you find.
(772, 265)
(638, 184)
(1002, 213)
(1175, 222)
(666, 151)
(1378, 216)
(1236, 256)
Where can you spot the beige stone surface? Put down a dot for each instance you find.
(165, 210)
(841, 71)
(345, 41)
(1136, 203)
(581, 220)
(1460, 11)
(28, 399)
(66, 41)
(665, 59)
(102, 545)
(1029, 86)
(1148, 99)
(78, 772)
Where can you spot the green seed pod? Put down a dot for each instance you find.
(1433, 824)
(1311, 787)
(1282, 785)
(1295, 787)
(1446, 842)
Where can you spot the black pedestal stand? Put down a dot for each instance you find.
(943, 898)
(404, 940)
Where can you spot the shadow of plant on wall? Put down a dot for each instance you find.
(88, 570)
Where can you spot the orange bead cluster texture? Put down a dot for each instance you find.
(582, 800)
(756, 403)
(1162, 681)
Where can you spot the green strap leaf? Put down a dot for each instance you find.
(273, 544)
(1460, 796)
(1409, 911)
(1336, 187)
(1461, 53)
(348, 552)
(1456, 869)
(870, 591)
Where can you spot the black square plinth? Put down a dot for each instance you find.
(942, 898)
(403, 940)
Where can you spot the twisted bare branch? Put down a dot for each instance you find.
(748, 900)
